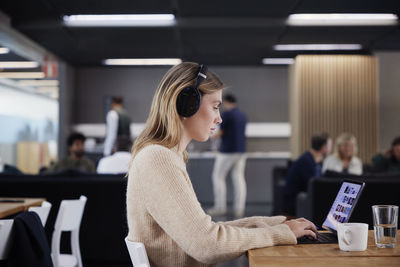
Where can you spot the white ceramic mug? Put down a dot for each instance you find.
(352, 236)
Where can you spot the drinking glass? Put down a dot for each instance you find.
(385, 225)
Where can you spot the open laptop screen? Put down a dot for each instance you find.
(343, 205)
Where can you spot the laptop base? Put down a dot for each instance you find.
(322, 238)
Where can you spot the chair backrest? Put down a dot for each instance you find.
(138, 254)
(5, 238)
(43, 211)
(69, 218)
(70, 214)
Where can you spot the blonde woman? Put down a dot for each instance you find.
(344, 159)
(162, 208)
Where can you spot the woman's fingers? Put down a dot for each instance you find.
(313, 227)
(310, 233)
(309, 224)
(302, 227)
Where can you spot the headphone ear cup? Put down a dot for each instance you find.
(188, 101)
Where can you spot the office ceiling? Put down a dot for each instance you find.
(218, 32)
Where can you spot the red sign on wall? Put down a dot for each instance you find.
(50, 67)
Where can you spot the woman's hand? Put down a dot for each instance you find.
(301, 227)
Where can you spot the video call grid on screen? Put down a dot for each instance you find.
(343, 205)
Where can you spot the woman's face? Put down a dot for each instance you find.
(346, 150)
(204, 122)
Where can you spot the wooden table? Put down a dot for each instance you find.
(325, 255)
(10, 208)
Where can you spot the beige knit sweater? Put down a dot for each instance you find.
(164, 214)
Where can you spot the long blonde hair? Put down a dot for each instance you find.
(164, 125)
(342, 139)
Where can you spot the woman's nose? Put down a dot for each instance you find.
(219, 119)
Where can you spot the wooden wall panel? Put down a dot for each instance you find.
(334, 94)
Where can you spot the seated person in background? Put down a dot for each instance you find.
(389, 160)
(76, 159)
(8, 169)
(162, 208)
(118, 162)
(344, 159)
(305, 167)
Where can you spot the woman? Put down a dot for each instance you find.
(162, 208)
(344, 159)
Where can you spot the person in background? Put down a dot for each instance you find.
(389, 160)
(231, 156)
(308, 165)
(8, 169)
(162, 208)
(76, 159)
(118, 124)
(344, 159)
(118, 162)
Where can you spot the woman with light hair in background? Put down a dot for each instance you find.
(344, 159)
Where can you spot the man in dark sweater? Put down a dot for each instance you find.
(306, 166)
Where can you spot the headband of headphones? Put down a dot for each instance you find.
(201, 76)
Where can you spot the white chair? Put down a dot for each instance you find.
(138, 254)
(69, 218)
(43, 211)
(5, 238)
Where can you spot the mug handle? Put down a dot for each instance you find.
(346, 237)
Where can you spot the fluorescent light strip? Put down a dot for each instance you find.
(22, 75)
(277, 61)
(38, 83)
(18, 64)
(4, 50)
(141, 61)
(344, 19)
(323, 47)
(119, 20)
(47, 89)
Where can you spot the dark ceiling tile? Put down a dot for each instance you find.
(235, 8)
(215, 32)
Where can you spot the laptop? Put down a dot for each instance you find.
(340, 212)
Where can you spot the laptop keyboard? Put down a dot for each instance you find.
(322, 238)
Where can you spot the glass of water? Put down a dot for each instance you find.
(385, 225)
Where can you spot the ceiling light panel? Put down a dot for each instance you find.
(22, 75)
(18, 64)
(141, 61)
(322, 47)
(342, 19)
(277, 61)
(41, 83)
(143, 20)
(4, 50)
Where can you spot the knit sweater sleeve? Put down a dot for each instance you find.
(171, 201)
(256, 221)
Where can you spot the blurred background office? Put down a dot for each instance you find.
(299, 67)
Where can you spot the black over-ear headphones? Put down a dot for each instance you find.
(188, 102)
